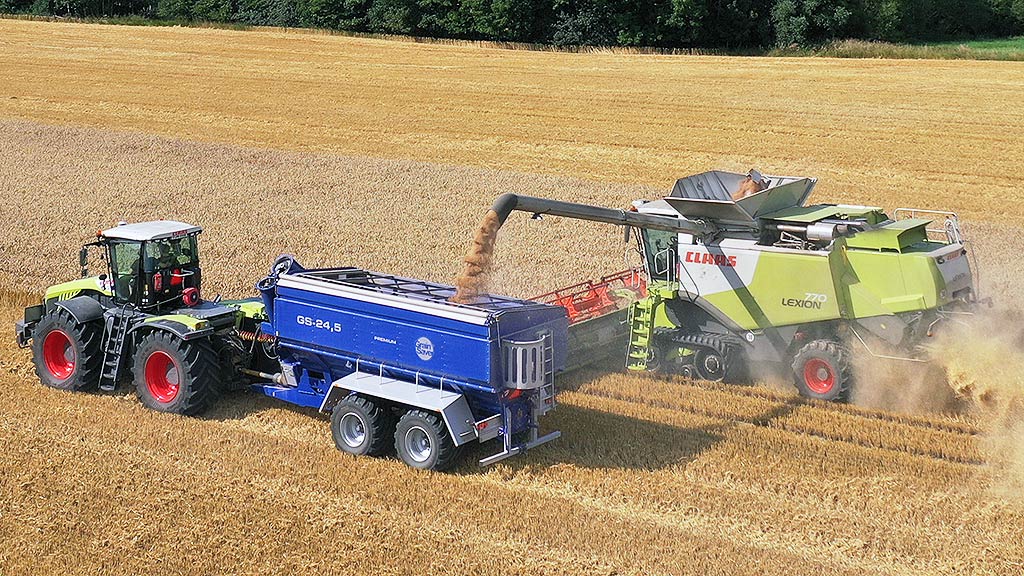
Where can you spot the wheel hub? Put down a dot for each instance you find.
(417, 444)
(819, 376)
(353, 431)
(59, 354)
(163, 378)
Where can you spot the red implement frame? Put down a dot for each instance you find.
(594, 298)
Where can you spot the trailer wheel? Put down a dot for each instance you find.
(422, 441)
(67, 355)
(174, 375)
(822, 370)
(361, 427)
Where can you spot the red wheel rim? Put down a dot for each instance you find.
(819, 376)
(163, 379)
(59, 354)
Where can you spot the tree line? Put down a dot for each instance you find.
(719, 24)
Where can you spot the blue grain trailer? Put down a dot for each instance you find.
(397, 364)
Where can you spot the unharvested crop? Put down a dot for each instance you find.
(652, 476)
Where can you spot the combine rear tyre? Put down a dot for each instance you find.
(362, 427)
(422, 441)
(822, 370)
(67, 354)
(174, 375)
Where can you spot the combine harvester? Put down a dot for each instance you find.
(401, 367)
(767, 280)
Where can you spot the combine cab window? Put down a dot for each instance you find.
(660, 254)
(171, 253)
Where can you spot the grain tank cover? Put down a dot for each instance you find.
(708, 195)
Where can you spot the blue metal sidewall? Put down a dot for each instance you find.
(407, 339)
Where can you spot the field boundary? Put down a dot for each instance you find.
(851, 48)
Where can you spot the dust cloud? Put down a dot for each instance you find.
(478, 262)
(976, 370)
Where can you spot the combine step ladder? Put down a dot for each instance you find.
(641, 331)
(118, 322)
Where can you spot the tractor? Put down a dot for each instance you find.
(141, 320)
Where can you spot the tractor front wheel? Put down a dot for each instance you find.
(174, 375)
(822, 371)
(422, 441)
(67, 354)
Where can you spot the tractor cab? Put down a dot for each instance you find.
(153, 265)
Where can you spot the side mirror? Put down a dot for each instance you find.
(83, 260)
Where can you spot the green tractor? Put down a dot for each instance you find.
(143, 320)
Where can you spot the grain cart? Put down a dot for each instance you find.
(766, 279)
(396, 364)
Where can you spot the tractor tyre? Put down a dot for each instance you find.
(362, 427)
(422, 441)
(68, 355)
(174, 375)
(822, 370)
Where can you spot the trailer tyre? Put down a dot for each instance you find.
(174, 375)
(822, 371)
(422, 441)
(361, 427)
(67, 355)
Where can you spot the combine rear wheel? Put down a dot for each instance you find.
(362, 427)
(174, 375)
(67, 355)
(422, 441)
(822, 370)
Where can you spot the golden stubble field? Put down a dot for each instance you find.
(348, 159)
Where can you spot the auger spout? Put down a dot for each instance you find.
(506, 203)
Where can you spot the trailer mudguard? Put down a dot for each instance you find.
(82, 308)
(452, 406)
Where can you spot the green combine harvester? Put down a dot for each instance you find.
(768, 279)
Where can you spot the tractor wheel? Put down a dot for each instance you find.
(422, 441)
(174, 375)
(362, 427)
(822, 370)
(67, 354)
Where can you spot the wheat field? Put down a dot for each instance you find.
(385, 154)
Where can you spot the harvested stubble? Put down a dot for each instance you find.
(652, 475)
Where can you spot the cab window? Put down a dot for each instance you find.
(171, 253)
(125, 265)
(660, 252)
